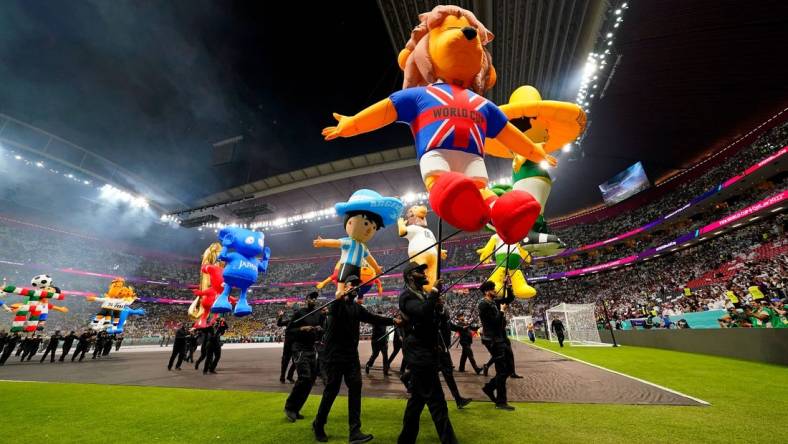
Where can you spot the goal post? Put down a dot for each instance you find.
(520, 326)
(579, 321)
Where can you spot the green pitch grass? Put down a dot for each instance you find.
(743, 394)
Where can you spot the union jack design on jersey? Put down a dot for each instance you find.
(448, 117)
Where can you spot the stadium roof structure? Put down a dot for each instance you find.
(392, 172)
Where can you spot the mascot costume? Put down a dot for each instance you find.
(115, 308)
(367, 275)
(508, 259)
(553, 124)
(446, 71)
(31, 315)
(241, 266)
(420, 237)
(365, 213)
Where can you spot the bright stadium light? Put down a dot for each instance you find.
(40, 164)
(18, 157)
(568, 147)
(544, 165)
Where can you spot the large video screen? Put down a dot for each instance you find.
(625, 184)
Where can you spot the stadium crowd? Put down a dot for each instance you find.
(654, 289)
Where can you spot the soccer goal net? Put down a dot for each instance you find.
(579, 324)
(519, 327)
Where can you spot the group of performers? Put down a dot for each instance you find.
(27, 347)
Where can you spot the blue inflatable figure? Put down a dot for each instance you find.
(241, 266)
(124, 314)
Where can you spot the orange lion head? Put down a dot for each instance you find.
(448, 44)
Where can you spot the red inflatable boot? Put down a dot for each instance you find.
(514, 214)
(457, 200)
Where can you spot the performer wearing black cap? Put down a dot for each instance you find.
(342, 361)
(494, 338)
(305, 333)
(422, 350)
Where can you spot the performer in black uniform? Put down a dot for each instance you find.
(379, 346)
(203, 339)
(445, 327)
(494, 338)
(342, 361)
(178, 348)
(32, 347)
(191, 345)
(558, 328)
(11, 342)
(304, 334)
(422, 349)
(83, 344)
(99, 345)
(67, 342)
(397, 346)
(51, 350)
(215, 346)
(466, 341)
(287, 350)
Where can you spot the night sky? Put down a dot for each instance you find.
(152, 84)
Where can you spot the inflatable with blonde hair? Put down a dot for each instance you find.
(446, 70)
(420, 237)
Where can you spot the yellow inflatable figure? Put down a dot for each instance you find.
(420, 237)
(552, 123)
(117, 298)
(508, 256)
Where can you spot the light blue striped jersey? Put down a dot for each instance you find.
(353, 252)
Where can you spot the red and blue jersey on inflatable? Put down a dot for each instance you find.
(448, 117)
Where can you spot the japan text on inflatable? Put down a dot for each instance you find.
(446, 69)
(241, 266)
(365, 213)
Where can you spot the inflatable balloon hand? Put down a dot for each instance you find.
(552, 161)
(345, 128)
(263, 265)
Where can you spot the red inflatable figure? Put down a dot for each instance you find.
(201, 307)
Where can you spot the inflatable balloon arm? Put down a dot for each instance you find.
(324, 282)
(519, 143)
(380, 287)
(326, 243)
(374, 117)
(58, 308)
(486, 251)
(262, 266)
(374, 264)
